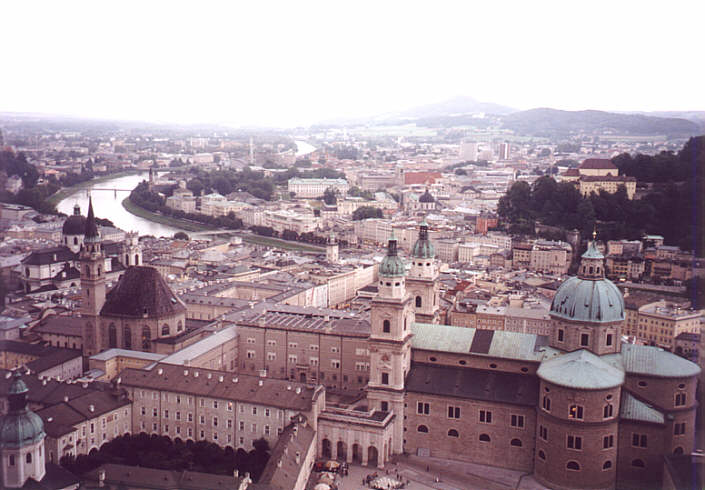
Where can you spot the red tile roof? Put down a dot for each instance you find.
(412, 178)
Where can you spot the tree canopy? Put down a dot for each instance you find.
(365, 212)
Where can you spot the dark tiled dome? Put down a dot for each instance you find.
(141, 293)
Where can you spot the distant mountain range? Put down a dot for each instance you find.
(466, 111)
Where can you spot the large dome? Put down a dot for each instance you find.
(588, 301)
(426, 197)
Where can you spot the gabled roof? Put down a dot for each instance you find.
(581, 369)
(411, 178)
(141, 292)
(51, 255)
(474, 384)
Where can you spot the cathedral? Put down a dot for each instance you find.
(578, 409)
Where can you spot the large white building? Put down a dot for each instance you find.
(313, 188)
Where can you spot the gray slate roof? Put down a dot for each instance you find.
(581, 369)
(634, 409)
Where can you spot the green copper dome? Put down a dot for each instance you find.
(20, 427)
(423, 248)
(588, 301)
(392, 265)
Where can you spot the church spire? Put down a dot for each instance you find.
(91, 233)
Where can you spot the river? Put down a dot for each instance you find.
(108, 204)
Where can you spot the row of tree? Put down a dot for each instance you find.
(151, 201)
(160, 452)
(675, 210)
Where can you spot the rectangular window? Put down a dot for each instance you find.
(609, 339)
(166, 414)
(679, 429)
(190, 417)
(203, 419)
(561, 334)
(575, 442)
(680, 399)
(485, 416)
(546, 403)
(242, 425)
(385, 378)
(453, 412)
(639, 440)
(608, 411)
(155, 413)
(215, 421)
(517, 421)
(266, 412)
(271, 356)
(254, 427)
(230, 423)
(178, 415)
(543, 432)
(215, 404)
(144, 412)
(423, 408)
(584, 339)
(576, 412)
(384, 406)
(607, 442)
(254, 410)
(292, 359)
(335, 364)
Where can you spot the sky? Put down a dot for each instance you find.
(287, 63)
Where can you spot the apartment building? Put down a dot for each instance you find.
(660, 323)
(217, 406)
(313, 188)
(328, 348)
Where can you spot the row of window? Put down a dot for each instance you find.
(585, 338)
(577, 412)
(575, 466)
(482, 437)
(454, 412)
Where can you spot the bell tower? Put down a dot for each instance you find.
(391, 317)
(332, 249)
(422, 283)
(92, 263)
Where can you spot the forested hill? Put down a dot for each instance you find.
(546, 122)
(675, 208)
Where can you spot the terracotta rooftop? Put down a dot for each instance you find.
(412, 178)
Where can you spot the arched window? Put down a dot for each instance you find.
(573, 465)
(75, 240)
(638, 463)
(127, 338)
(99, 270)
(678, 450)
(418, 301)
(386, 326)
(453, 433)
(112, 336)
(137, 259)
(485, 438)
(542, 455)
(165, 329)
(607, 465)
(146, 338)
(608, 411)
(516, 442)
(422, 428)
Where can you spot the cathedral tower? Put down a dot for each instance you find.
(92, 263)
(422, 283)
(391, 317)
(332, 249)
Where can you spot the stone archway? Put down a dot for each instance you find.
(342, 451)
(357, 454)
(325, 449)
(372, 456)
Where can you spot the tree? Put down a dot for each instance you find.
(195, 186)
(330, 196)
(365, 212)
(222, 185)
(180, 235)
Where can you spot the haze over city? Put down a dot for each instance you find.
(297, 63)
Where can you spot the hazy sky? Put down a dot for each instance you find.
(297, 62)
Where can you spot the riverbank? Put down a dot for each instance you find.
(197, 227)
(61, 194)
(164, 220)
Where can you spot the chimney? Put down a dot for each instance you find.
(91, 408)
